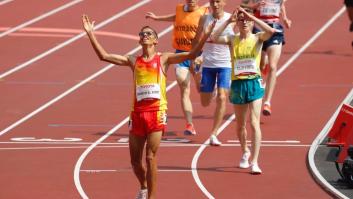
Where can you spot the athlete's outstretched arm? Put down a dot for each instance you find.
(102, 54)
(151, 15)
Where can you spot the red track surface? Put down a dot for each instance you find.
(307, 94)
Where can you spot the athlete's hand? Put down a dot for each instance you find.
(233, 17)
(87, 24)
(150, 15)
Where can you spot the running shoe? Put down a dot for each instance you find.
(266, 110)
(189, 129)
(142, 194)
(214, 141)
(244, 161)
(255, 169)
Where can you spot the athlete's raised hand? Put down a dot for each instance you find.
(87, 24)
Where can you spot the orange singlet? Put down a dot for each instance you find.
(185, 27)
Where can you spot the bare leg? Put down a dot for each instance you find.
(240, 114)
(255, 110)
(221, 101)
(153, 141)
(273, 53)
(136, 146)
(183, 79)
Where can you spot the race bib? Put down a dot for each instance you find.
(245, 66)
(148, 91)
(270, 10)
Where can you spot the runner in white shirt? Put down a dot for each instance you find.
(216, 67)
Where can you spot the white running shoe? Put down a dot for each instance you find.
(244, 161)
(142, 194)
(255, 169)
(214, 141)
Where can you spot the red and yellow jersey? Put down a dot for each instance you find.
(149, 85)
(185, 27)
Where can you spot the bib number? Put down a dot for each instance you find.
(148, 91)
(270, 10)
(245, 66)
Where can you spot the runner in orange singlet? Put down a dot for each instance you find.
(148, 115)
(186, 19)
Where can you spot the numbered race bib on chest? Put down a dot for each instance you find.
(270, 10)
(148, 91)
(245, 66)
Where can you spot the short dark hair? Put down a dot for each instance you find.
(149, 27)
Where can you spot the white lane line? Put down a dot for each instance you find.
(40, 17)
(314, 146)
(268, 141)
(279, 72)
(67, 42)
(162, 145)
(72, 89)
(5, 2)
(90, 148)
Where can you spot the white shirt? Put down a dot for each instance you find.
(217, 55)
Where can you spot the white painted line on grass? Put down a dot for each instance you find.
(67, 42)
(40, 17)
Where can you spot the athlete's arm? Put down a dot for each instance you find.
(267, 30)
(287, 22)
(216, 36)
(151, 15)
(102, 54)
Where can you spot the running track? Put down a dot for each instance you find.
(55, 144)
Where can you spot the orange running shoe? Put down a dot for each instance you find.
(266, 110)
(189, 129)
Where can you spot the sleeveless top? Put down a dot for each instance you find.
(217, 55)
(149, 85)
(246, 57)
(185, 27)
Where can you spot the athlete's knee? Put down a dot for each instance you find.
(221, 98)
(205, 102)
(150, 158)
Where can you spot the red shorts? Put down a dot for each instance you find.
(144, 123)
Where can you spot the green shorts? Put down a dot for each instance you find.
(246, 91)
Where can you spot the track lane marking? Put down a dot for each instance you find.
(83, 82)
(67, 42)
(14, 29)
(5, 2)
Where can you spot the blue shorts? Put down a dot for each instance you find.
(246, 91)
(211, 75)
(187, 63)
(276, 39)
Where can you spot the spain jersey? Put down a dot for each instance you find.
(149, 85)
(185, 27)
(246, 57)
